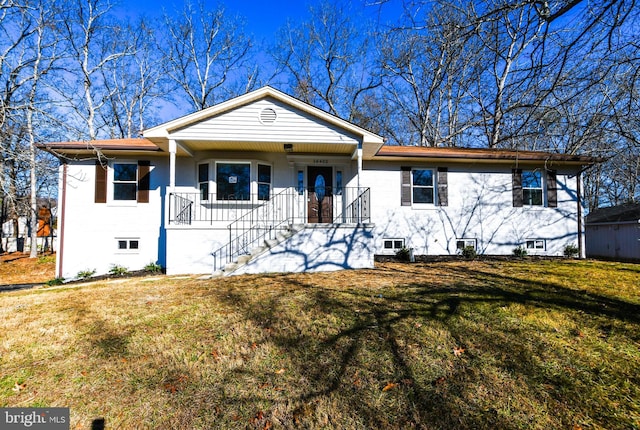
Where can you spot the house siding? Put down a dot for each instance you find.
(243, 125)
(480, 206)
(92, 230)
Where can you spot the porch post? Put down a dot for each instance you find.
(359, 172)
(172, 165)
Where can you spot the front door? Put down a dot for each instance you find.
(320, 192)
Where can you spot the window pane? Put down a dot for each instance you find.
(133, 244)
(460, 244)
(388, 244)
(300, 182)
(122, 244)
(263, 191)
(398, 244)
(203, 172)
(125, 172)
(530, 244)
(124, 191)
(422, 195)
(531, 179)
(264, 173)
(204, 191)
(233, 181)
(423, 177)
(532, 197)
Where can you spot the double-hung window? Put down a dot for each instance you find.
(532, 194)
(264, 181)
(203, 180)
(422, 186)
(125, 181)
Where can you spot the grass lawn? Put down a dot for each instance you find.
(449, 345)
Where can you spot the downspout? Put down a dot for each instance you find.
(579, 198)
(61, 219)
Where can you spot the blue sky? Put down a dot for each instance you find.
(264, 18)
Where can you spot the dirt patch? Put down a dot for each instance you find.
(17, 268)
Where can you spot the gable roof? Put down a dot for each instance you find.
(162, 133)
(614, 214)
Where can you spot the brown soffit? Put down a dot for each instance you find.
(88, 146)
(388, 152)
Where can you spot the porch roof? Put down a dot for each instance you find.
(133, 146)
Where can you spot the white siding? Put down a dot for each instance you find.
(243, 125)
(480, 207)
(91, 230)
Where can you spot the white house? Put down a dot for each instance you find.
(264, 182)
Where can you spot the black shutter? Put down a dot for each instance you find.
(517, 188)
(101, 183)
(143, 181)
(405, 192)
(552, 189)
(443, 187)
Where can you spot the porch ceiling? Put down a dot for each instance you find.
(274, 147)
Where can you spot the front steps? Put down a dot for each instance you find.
(309, 248)
(268, 244)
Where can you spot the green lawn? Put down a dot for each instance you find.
(483, 344)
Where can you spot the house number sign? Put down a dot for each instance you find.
(320, 161)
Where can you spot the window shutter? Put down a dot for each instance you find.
(552, 189)
(443, 187)
(517, 188)
(405, 192)
(143, 181)
(101, 183)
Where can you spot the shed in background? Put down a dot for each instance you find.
(614, 233)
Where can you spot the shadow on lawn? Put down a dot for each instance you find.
(447, 398)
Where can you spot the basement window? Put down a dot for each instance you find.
(536, 244)
(393, 244)
(463, 243)
(128, 245)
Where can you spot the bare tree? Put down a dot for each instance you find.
(329, 59)
(95, 43)
(205, 53)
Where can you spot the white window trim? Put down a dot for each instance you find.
(213, 178)
(535, 243)
(467, 242)
(128, 249)
(393, 249)
(543, 189)
(434, 187)
(110, 184)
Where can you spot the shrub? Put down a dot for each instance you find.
(469, 252)
(404, 254)
(118, 270)
(55, 281)
(571, 251)
(84, 274)
(519, 252)
(153, 268)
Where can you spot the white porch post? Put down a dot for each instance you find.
(172, 164)
(359, 164)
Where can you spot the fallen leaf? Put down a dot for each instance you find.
(254, 345)
(215, 354)
(458, 351)
(263, 386)
(236, 417)
(439, 381)
(280, 372)
(390, 386)
(267, 425)
(19, 387)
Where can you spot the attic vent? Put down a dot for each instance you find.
(268, 116)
